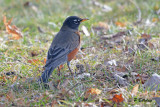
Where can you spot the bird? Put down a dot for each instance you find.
(64, 46)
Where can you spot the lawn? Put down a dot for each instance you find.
(120, 52)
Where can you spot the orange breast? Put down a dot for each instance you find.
(72, 54)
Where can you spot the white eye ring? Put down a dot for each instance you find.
(75, 21)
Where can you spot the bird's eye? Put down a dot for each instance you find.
(76, 21)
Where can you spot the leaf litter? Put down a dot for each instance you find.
(121, 69)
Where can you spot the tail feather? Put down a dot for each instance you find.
(49, 69)
(46, 74)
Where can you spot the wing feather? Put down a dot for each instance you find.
(62, 47)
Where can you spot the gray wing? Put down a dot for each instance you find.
(63, 43)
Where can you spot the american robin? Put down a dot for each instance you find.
(64, 46)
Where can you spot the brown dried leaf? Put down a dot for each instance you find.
(33, 61)
(34, 53)
(27, 4)
(141, 78)
(150, 94)
(45, 60)
(135, 90)
(103, 25)
(145, 37)
(155, 20)
(14, 78)
(120, 24)
(150, 45)
(36, 61)
(13, 30)
(94, 91)
(121, 69)
(3, 78)
(117, 98)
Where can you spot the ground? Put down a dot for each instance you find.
(123, 39)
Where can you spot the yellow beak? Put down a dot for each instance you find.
(84, 19)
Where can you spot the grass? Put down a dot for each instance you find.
(49, 16)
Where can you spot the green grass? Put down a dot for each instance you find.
(49, 15)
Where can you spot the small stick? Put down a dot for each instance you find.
(139, 19)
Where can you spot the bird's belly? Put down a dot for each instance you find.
(72, 54)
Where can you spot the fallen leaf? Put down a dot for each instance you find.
(156, 7)
(121, 69)
(45, 60)
(141, 78)
(144, 38)
(14, 78)
(94, 91)
(34, 53)
(27, 4)
(149, 94)
(13, 30)
(3, 78)
(144, 42)
(34, 61)
(135, 90)
(103, 25)
(87, 105)
(117, 98)
(150, 45)
(120, 24)
(155, 20)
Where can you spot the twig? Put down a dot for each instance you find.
(139, 19)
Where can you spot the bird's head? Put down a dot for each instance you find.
(73, 22)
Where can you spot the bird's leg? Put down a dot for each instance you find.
(59, 71)
(68, 64)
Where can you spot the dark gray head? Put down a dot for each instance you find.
(73, 22)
